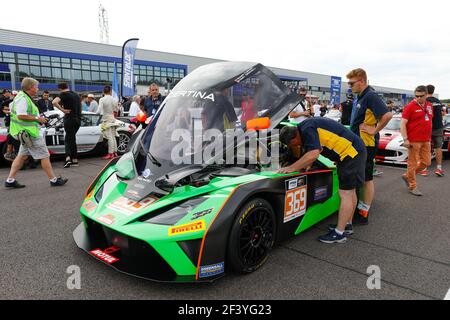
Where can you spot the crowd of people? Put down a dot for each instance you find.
(353, 151)
(23, 116)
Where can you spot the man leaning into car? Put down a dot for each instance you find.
(324, 136)
(25, 122)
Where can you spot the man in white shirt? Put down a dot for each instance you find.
(135, 108)
(316, 109)
(302, 111)
(107, 107)
(93, 105)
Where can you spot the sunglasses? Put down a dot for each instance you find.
(351, 84)
(420, 96)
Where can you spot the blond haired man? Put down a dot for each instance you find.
(369, 116)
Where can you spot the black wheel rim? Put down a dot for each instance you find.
(256, 237)
(123, 143)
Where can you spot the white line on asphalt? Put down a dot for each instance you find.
(447, 296)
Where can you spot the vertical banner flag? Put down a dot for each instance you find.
(335, 90)
(128, 53)
(115, 84)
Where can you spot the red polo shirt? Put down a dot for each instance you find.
(420, 123)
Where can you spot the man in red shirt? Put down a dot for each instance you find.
(416, 127)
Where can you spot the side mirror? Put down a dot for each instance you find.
(258, 124)
(141, 116)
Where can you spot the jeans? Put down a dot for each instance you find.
(71, 127)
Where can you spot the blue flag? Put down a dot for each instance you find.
(115, 84)
(128, 53)
(335, 90)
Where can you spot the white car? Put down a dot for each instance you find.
(89, 137)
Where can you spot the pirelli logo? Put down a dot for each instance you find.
(187, 228)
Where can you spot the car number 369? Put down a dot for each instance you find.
(236, 309)
(295, 204)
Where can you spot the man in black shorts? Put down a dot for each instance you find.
(369, 116)
(324, 136)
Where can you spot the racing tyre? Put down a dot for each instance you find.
(252, 236)
(123, 141)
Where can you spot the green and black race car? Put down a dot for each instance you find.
(150, 215)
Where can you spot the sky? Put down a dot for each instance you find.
(400, 43)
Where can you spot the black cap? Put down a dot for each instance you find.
(5, 91)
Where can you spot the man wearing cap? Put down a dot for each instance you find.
(93, 105)
(25, 122)
(316, 136)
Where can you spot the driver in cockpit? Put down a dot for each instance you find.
(219, 114)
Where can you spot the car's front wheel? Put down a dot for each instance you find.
(123, 142)
(252, 236)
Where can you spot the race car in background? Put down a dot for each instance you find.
(150, 216)
(446, 145)
(390, 149)
(89, 136)
(390, 146)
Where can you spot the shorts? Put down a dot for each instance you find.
(437, 138)
(38, 150)
(351, 172)
(370, 163)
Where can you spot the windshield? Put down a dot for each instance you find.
(394, 124)
(213, 99)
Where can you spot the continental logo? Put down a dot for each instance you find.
(187, 228)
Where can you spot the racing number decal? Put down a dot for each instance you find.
(295, 200)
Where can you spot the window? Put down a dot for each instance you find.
(56, 73)
(24, 70)
(66, 74)
(46, 72)
(86, 75)
(95, 76)
(86, 65)
(35, 71)
(77, 74)
(103, 66)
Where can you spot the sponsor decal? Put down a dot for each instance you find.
(147, 173)
(320, 193)
(129, 207)
(192, 94)
(211, 270)
(109, 219)
(105, 255)
(187, 228)
(295, 200)
(89, 206)
(201, 213)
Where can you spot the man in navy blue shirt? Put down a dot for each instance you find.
(369, 116)
(322, 136)
(153, 101)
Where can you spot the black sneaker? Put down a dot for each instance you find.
(14, 185)
(332, 237)
(59, 182)
(74, 164)
(359, 220)
(348, 229)
(67, 164)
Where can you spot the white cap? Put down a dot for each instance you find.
(90, 95)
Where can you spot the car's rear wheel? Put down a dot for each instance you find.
(252, 236)
(123, 142)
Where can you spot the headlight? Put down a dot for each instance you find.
(169, 216)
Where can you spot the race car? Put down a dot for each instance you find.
(446, 144)
(89, 136)
(390, 149)
(152, 216)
